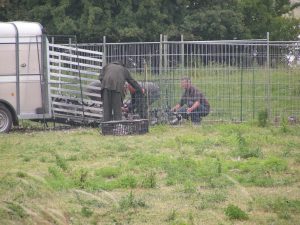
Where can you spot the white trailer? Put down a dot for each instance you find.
(44, 81)
(23, 90)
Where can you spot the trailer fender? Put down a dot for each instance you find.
(12, 111)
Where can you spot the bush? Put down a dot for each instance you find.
(130, 201)
(235, 213)
(244, 151)
(149, 181)
(263, 118)
(86, 212)
(108, 172)
(128, 181)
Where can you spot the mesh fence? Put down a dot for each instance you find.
(238, 78)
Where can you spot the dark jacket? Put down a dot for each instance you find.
(113, 78)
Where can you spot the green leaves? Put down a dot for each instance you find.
(145, 20)
(235, 213)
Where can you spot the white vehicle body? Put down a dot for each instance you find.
(22, 87)
(41, 80)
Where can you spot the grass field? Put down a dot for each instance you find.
(210, 174)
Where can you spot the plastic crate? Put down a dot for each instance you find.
(125, 127)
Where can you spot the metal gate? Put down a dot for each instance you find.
(74, 85)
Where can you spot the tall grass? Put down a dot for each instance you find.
(184, 175)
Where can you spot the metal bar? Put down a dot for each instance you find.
(69, 48)
(53, 60)
(17, 68)
(75, 70)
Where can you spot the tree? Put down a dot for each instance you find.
(266, 16)
(215, 23)
(145, 20)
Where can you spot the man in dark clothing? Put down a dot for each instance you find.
(112, 79)
(192, 104)
(140, 101)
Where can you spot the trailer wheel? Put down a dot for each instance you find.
(5, 119)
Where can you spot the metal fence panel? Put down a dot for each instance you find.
(72, 73)
(240, 78)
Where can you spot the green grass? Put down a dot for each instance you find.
(211, 174)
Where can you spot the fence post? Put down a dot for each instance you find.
(160, 70)
(165, 53)
(160, 53)
(268, 75)
(104, 52)
(182, 55)
(241, 93)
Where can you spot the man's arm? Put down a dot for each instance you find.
(132, 82)
(193, 107)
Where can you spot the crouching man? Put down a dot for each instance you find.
(193, 104)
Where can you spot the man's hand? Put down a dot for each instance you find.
(175, 108)
(189, 110)
(125, 108)
(193, 107)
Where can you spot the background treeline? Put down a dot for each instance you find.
(144, 20)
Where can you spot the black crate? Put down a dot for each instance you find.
(125, 127)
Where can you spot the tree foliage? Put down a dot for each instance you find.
(145, 20)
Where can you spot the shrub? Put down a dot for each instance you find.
(149, 180)
(284, 125)
(108, 172)
(61, 162)
(263, 118)
(128, 181)
(244, 151)
(21, 174)
(130, 201)
(235, 213)
(86, 212)
(80, 178)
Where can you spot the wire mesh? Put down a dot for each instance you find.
(239, 78)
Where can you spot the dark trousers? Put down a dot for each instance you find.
(139, 105)
(196, 115)
(112, 103)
